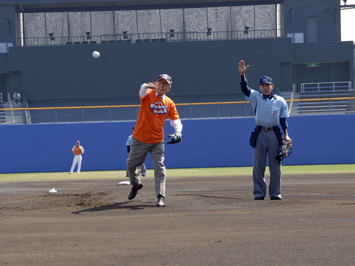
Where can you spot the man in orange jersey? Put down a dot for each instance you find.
(77, 151)
(148, 135)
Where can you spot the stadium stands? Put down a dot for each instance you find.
(13, 116)
(324, 97)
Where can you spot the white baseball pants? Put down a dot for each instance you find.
(77, 160)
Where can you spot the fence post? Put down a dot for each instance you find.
(218, 110)
(55, 115)
(82, 114)
(109, 113)
(245, 109)
(190, 110)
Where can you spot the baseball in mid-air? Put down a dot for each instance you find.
(95, 54)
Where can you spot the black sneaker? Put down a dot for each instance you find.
(134, 191)
(258, 198)
(160, 201)
(275, 198)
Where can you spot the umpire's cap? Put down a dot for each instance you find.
(265, 79)
(166, 77)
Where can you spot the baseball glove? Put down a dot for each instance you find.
(175, 138)
(285, 151)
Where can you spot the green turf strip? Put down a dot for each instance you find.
(223, 171)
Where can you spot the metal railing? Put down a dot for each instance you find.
(325, 105)
(152, 37)
(11, 108)
(326, 86)
(27, 111)
(206, 110)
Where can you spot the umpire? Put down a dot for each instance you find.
(270, 111)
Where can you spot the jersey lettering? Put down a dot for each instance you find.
(158, 108)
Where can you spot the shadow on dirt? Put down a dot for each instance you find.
(115, 206)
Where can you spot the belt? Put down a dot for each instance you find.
(266, 128)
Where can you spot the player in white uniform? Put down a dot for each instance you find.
(77, 151)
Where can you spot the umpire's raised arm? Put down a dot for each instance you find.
(243, 81)
(242, 67)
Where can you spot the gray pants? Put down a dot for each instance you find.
(139, 151)
(143, 170)
(267, 144)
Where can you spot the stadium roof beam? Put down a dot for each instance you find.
(32, 6)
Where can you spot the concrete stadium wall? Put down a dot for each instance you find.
(297, 12)
(207, 143)
(201, 71)
(69, 72)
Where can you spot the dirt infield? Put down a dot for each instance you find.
(207, 221)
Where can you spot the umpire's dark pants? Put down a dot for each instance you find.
(267, 144)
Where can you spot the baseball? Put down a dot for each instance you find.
(95, 54)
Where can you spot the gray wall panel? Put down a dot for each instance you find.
(34, 25)
(195, 19)
(102, 23)
(126, 21)
(265, 17)
(79, 23)
(172, 19)
(242, 16)
(219, 18)
(57, 23)
(149, 21)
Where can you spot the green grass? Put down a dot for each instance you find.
(223, 171)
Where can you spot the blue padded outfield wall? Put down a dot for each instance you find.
(207, 143)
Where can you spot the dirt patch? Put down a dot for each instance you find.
(207, 221)
(61, 201)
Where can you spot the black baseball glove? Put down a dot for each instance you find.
(285, 151)
(175, 138)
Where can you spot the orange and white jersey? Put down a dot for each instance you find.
(153, 112)
(77, 150)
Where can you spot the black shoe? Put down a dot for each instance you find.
(258, 198)
(275, 198)
(134, 191)
(160, 202)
